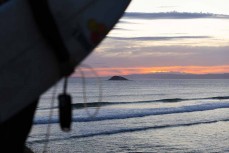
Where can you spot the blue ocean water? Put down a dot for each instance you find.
(139, 116)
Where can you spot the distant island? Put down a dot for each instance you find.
(118, 78)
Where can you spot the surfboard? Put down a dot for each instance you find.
(28, 64)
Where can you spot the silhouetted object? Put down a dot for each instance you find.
(2, 1)
(42, 42)
(65, 111)
(118, 78)
(14, 132)
(27, 150)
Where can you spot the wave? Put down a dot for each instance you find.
(101, 104)
(128, 130)
(220, 97)
(180, 100)
(96, 104)
(172, 100)
(136, 113)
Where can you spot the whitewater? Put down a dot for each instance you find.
(161, 115)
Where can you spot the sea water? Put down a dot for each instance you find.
(138, 116)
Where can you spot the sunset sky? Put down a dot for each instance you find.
(187, 36)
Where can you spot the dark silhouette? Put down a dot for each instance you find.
(13, 139)
(46, 34)
(119, 78)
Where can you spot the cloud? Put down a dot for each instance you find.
(173, 15)
(160, 56)
(161, 38)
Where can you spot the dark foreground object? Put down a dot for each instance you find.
(14, 132)
(119, 78)
(27, 150)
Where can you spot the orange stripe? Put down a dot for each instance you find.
(147, 70)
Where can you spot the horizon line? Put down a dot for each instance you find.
(111, 71)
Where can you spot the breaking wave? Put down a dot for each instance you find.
(135, 113)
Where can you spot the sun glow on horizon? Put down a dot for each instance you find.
(158, 71)
(103, 72)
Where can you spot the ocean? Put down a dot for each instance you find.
(161, 115)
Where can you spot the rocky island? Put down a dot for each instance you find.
(118, 78)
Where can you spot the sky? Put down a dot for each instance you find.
(184, 36)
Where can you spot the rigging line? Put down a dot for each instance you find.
(84, 90)
(48, 131)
